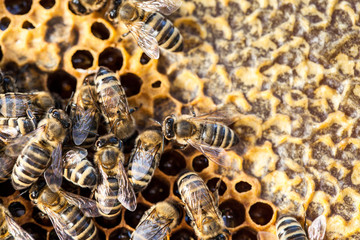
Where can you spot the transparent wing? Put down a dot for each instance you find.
(8, 134)
(59, 225)
(148, 230)
(166, 7)
(144, 35)
(118, 101)
(126, 195)
(103, 189)
(7, 164)
(226, 116)
(266, 236)
(53, 174)
(317, 229)
(16, 231)
(75, 156)
(82, 125)
(86, 205)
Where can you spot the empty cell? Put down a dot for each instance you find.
(172, 163)
(243, 186)
(144, 59)
(6, 189)
(28, 25)
(111, 58)
(131, 83)
(212, 185)
(100, 31)
(16, 209)
(133, 218)
(35, 231)
(120, 234)
(4, 23)
(82, 59)
(156, 84)
(261, 213)
(62, 83)
(233, 213)
(18, 7)
(183, 234)
(245, 233)
(157, 190)
(47, 4)
(199, 163)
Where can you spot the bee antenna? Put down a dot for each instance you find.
(20, 194)
(70, 100)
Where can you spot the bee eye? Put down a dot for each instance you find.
(34, 194)
(56, 114)
(113, 140)
(100, 143)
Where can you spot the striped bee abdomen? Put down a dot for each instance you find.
(22, 124)
(288, 228)
(82, 174)
(218, 135)
(109, 203)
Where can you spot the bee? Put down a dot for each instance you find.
(145, 158)
(7, 136)
(37, 149)
(149, 28)
(157, 222)
(201, 207)
(9, 229)
(85, 7)
(23, 125)
(79, 170)
(7, 83)
(207, 133)
(113, 103)
(114, 188)
(70, 214)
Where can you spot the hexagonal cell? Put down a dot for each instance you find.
(131, 83)
(157, 190)
(35, 231)
(4, 23)
(245, 233)
(144, 59)
(100, 31)
(211, 183)
(199, 163)
(61, 83)
(120, 234)
(52, 235)
(183, 234)
(41, 217)
(111, 58)
(243, 187)
(233, 213)
(184, 86)
(108, 222)
(163, 107)
(82, 59)
(6, 189)
(172, 163)
(133, 218)
(47, 4)
(156, 84)
(101, 234)
(261, 213)
(16, 209)
(27, 25)
(18, 7)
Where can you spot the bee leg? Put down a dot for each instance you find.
(125, 34)
(216, 192)
(31, 116)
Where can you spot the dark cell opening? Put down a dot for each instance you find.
(131, 83)
(133, 218)
(53, 235)
(16, 209)
(233, 213)
(35, 231)
(101, 234)
(108, 222)
(41, 217)
(188, 220)
(18, 7)
(62, 83)
(4, 23)
(199, 163)
(156, 84)
(120, 234)
(100, 31)
(1, 54)
(28, 25)
(47, 4)
(144, 59)
(243, 186)
(111, 58)
(82, 59)
(261, 213)
(6, 189)
(172, 163)
(176, 190)
(157, 190)
(129, 143)
(212, 186)
(183, 234)
(245, 233)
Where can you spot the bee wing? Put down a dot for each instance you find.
(166, 7)
(82, 125)
(16, 231)
(86, 205)
(317, 228)
(7, 164)
(148, 230)
(53, 174)
(103, 189)
(144, 157)
(59, 225)
(226, 116)
(266, 236)
(126, 195)
(75, 156)
(144, 35)
(8, 134)
(217, 155)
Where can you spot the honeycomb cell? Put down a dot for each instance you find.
(129, 143)
(243, 187)
(108, 223)
(120, 234)
(133, 218)
(163, 107)
(47, 4)
(4, 23)
(62, 83)
(184, 87)
(100, 31)
(101, 234)
(82, 59)
(157, 190)
(199, 163)
(111, 58)
(28, 25)
(212, 186)
(18, 7)
(16, 209)
(41, 217)
(172, 163)
(183, 234)
(53, 235)
(245, 233)
(131, 83)
(261, 213)
(156, 84)
(144, 59)
(6, 189)
(35, 231)
(233, 213)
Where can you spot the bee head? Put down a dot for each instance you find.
(168, 127)
(128, 12)
(60, 116)
(110, 140)
(210, 226)
(36, 189)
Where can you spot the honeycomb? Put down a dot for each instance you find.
(290, 67)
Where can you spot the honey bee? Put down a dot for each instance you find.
(157, 222)
(7, 83)
(113, 103)
(149, 28)
(207, 133)
(37, 149)
(22, 125)
(114, 188)
(201, 207)
(7, 136)
(70, 214)
(9, 229)
(79, 170)
(85, 7)
(145, 158)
